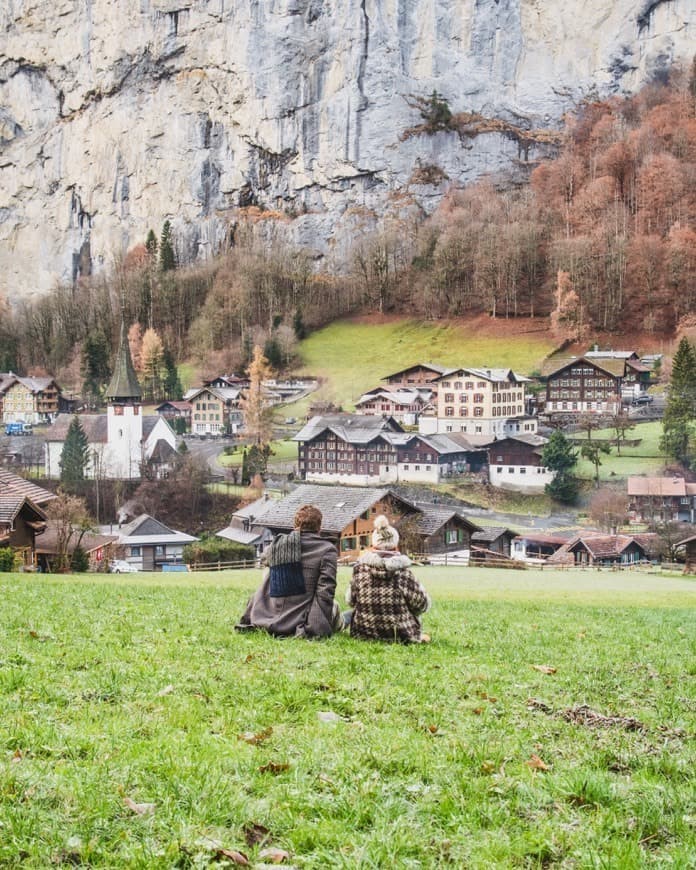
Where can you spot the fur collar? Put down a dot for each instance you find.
(382, 560)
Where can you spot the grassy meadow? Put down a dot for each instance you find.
(137, 729)
(355, 356)
(644, 458)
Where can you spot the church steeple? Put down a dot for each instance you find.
(124, 388)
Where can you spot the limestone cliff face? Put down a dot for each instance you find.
(117, 115)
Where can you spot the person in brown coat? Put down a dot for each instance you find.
(296, 597)
(387, 599)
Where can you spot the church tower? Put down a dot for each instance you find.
(124, 414)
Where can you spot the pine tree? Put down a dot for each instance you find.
(680, 410)
(558, 456)
(172, 384)
(94, 368)
(167, 257)
(74, 456)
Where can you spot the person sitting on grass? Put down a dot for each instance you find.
(296, 597)
(386, 598)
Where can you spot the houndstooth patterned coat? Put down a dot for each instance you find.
(386, 598)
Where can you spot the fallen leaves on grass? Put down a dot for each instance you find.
(255, 737)
(275, 856)
(139, 809)
(255, 834)
(545, 669)
(274, 767)
(584, 715)
(231, 855)
(536, 763)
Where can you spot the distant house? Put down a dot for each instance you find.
(99, 548)
(173, 410)
(21, 520)
(662, 499)
(148, 544)
(444, 529)
(606, 550)
(404, 405)
(215, 410)
(689, 545)
(536, 547)
(596, 382)
(243, 527)
(348, 513)
(417, 375)
(221, 381)
(29, 399)
(515, 463)
(495, 539)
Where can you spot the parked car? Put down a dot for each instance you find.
(642, 400)
(18, 429)
(120, 566)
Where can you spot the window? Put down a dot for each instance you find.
(469, 385)
(347, 544)
(405, 467)
(416, 467)
(478, 412)
(498, 469)
(449, 412)
(449, 397)
(478, 398)
(523, 470)
(160, 550)
(511, 470)
(364, 541)
(457, 385)
(136, 551)
(450, 536)
(463, 397)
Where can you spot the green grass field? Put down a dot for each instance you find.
(645, 458)
(282, 451)
(353, 357)
(138, 730)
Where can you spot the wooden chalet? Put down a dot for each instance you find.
(21, 520)
(444, 529)
(173, 410)
(606, 550)
(596, 382)
(417, 375)
(348, 513)
(515, 462)
(496, 539)
(99, 548)
(536, 547)
(661, 499)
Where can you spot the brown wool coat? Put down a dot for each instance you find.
(312, 614)
(386, 598)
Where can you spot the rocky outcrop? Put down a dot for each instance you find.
(117, 116)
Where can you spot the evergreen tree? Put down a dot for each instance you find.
(271, 350)
(558, 456)
(94, 368)
(172, 386)
(167, 257)
(151, 244)
(680, 410)
(298, 325)
(74, 457)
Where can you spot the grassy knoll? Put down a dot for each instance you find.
(354, 356)
(645, 458)
(281, 451)
(138, 730)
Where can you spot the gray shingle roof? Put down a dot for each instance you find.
(433, 518)
(11, 503)
(491, 534)
(94, 426)
(355, 428)
(339, 505)
(124, 382)
(16, 485)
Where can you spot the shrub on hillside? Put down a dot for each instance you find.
(7, 559)
(217, 550)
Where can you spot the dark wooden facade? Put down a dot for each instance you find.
(329, 453)
(583, 385)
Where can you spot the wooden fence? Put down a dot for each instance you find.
(223, 566)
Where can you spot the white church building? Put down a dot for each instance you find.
(121, 440)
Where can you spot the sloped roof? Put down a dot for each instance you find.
(231, 533)
(339, 505)
(47, 542)
(604, 546)
(145, 529)
(657, 486)
(254, 509)
(6, 381)
(94, 426)
(35, 385)
(399, 397)
(13, 483)
(488, 535)
(538, 538)
(494, 375)
(124, 382)
(610, 354)
(434, 518)
(612, 366)
(12, 503)
(433, 367)
(180, 406)
(162, 451)
(354, 428)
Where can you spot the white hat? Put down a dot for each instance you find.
(384, 537)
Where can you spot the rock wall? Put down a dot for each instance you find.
(117, 116)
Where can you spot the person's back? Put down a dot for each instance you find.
(296, 596)
(387, 599)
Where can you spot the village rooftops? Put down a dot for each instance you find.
(660, 486)
(490, 534)
(95, 427)
(356, 428)
(434, 517)
(145, 528)
(493, 375)
(339, 506)
(18, 486)
(11, 504)
(613, 365)
(436, 369)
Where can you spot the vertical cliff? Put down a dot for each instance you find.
(115, 116)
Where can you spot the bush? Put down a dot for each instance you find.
(7, 559)
(217, 550)
(80, 561)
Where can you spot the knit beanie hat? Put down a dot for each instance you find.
(384, 537)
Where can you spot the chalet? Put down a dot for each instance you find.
(404, 405)
(662, 499)
(215, 410)
(174, 410)
(605, 550)
(221, 381)
(99, 548)
(493, 540)
(148, 544)
(348, 513)
(418, 375)
(689, 545)
(515, 463)
(29, 400)
(596, 382)
(363, 450)
(21, 520)
(536, 547)
(243, 528)
(443, 529)
(484, 402)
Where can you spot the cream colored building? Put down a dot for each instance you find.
(488, 402)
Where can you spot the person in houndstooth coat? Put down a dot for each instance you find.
(386, 598)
